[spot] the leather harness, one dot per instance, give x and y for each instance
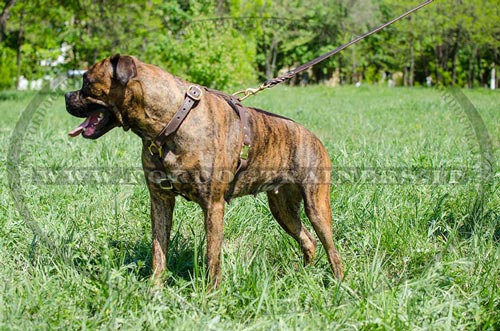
(191, 100)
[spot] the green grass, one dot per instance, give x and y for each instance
(417, 256)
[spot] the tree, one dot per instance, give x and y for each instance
(4, 16)
(232, 42)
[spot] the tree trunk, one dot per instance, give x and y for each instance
(353, 67)
(4, 16)
(495, 64)
(437, 51)
(341, 78)
(470, 74)
(405, 76)
(271, 59)
(455, 57)
(221, 8)
(454, 69)
(412, 63)
(424, 62)
(493, 80)
(479, 74)
(19, 44)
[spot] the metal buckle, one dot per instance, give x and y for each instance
(245, 150)
(194, 92)
(158, 149)
(166, 187)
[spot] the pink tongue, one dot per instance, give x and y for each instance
(75, 132)
(87, 125)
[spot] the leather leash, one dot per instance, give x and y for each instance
(278, 80)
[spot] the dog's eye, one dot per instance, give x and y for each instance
(87, 91)
(85, 88)
(82, 93)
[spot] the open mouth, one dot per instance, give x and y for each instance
(95, 125)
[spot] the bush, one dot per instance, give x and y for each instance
(212, 57)
(8, 68)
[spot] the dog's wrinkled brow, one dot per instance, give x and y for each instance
(87, 79)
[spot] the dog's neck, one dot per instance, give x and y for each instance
(155, 106)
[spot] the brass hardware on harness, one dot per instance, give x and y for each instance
(169, 186)
(193, 95)
(158, 149)
(249, 92)
(245, 150)
(194, 92)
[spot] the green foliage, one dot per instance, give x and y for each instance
(212, 57)
(8, 68)
(233, 42)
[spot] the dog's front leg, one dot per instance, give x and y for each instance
(214, 219)
(162, 207)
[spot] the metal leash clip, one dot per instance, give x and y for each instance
(249, 92)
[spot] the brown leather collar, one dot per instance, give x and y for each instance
(193, 96)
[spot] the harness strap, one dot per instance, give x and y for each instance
(247, 139)
(245, 129)
(242, 113)
(193, 95)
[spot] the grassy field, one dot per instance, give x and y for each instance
(418, 233)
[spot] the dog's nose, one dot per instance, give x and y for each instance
(69, 98)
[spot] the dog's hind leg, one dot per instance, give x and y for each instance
(285, 205)
(318, 210)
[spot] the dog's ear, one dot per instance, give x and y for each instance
(124, 68)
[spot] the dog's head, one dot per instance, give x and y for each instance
(103, 96)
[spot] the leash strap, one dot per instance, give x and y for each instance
(278, 80)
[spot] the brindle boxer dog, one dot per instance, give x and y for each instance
(285, 159)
